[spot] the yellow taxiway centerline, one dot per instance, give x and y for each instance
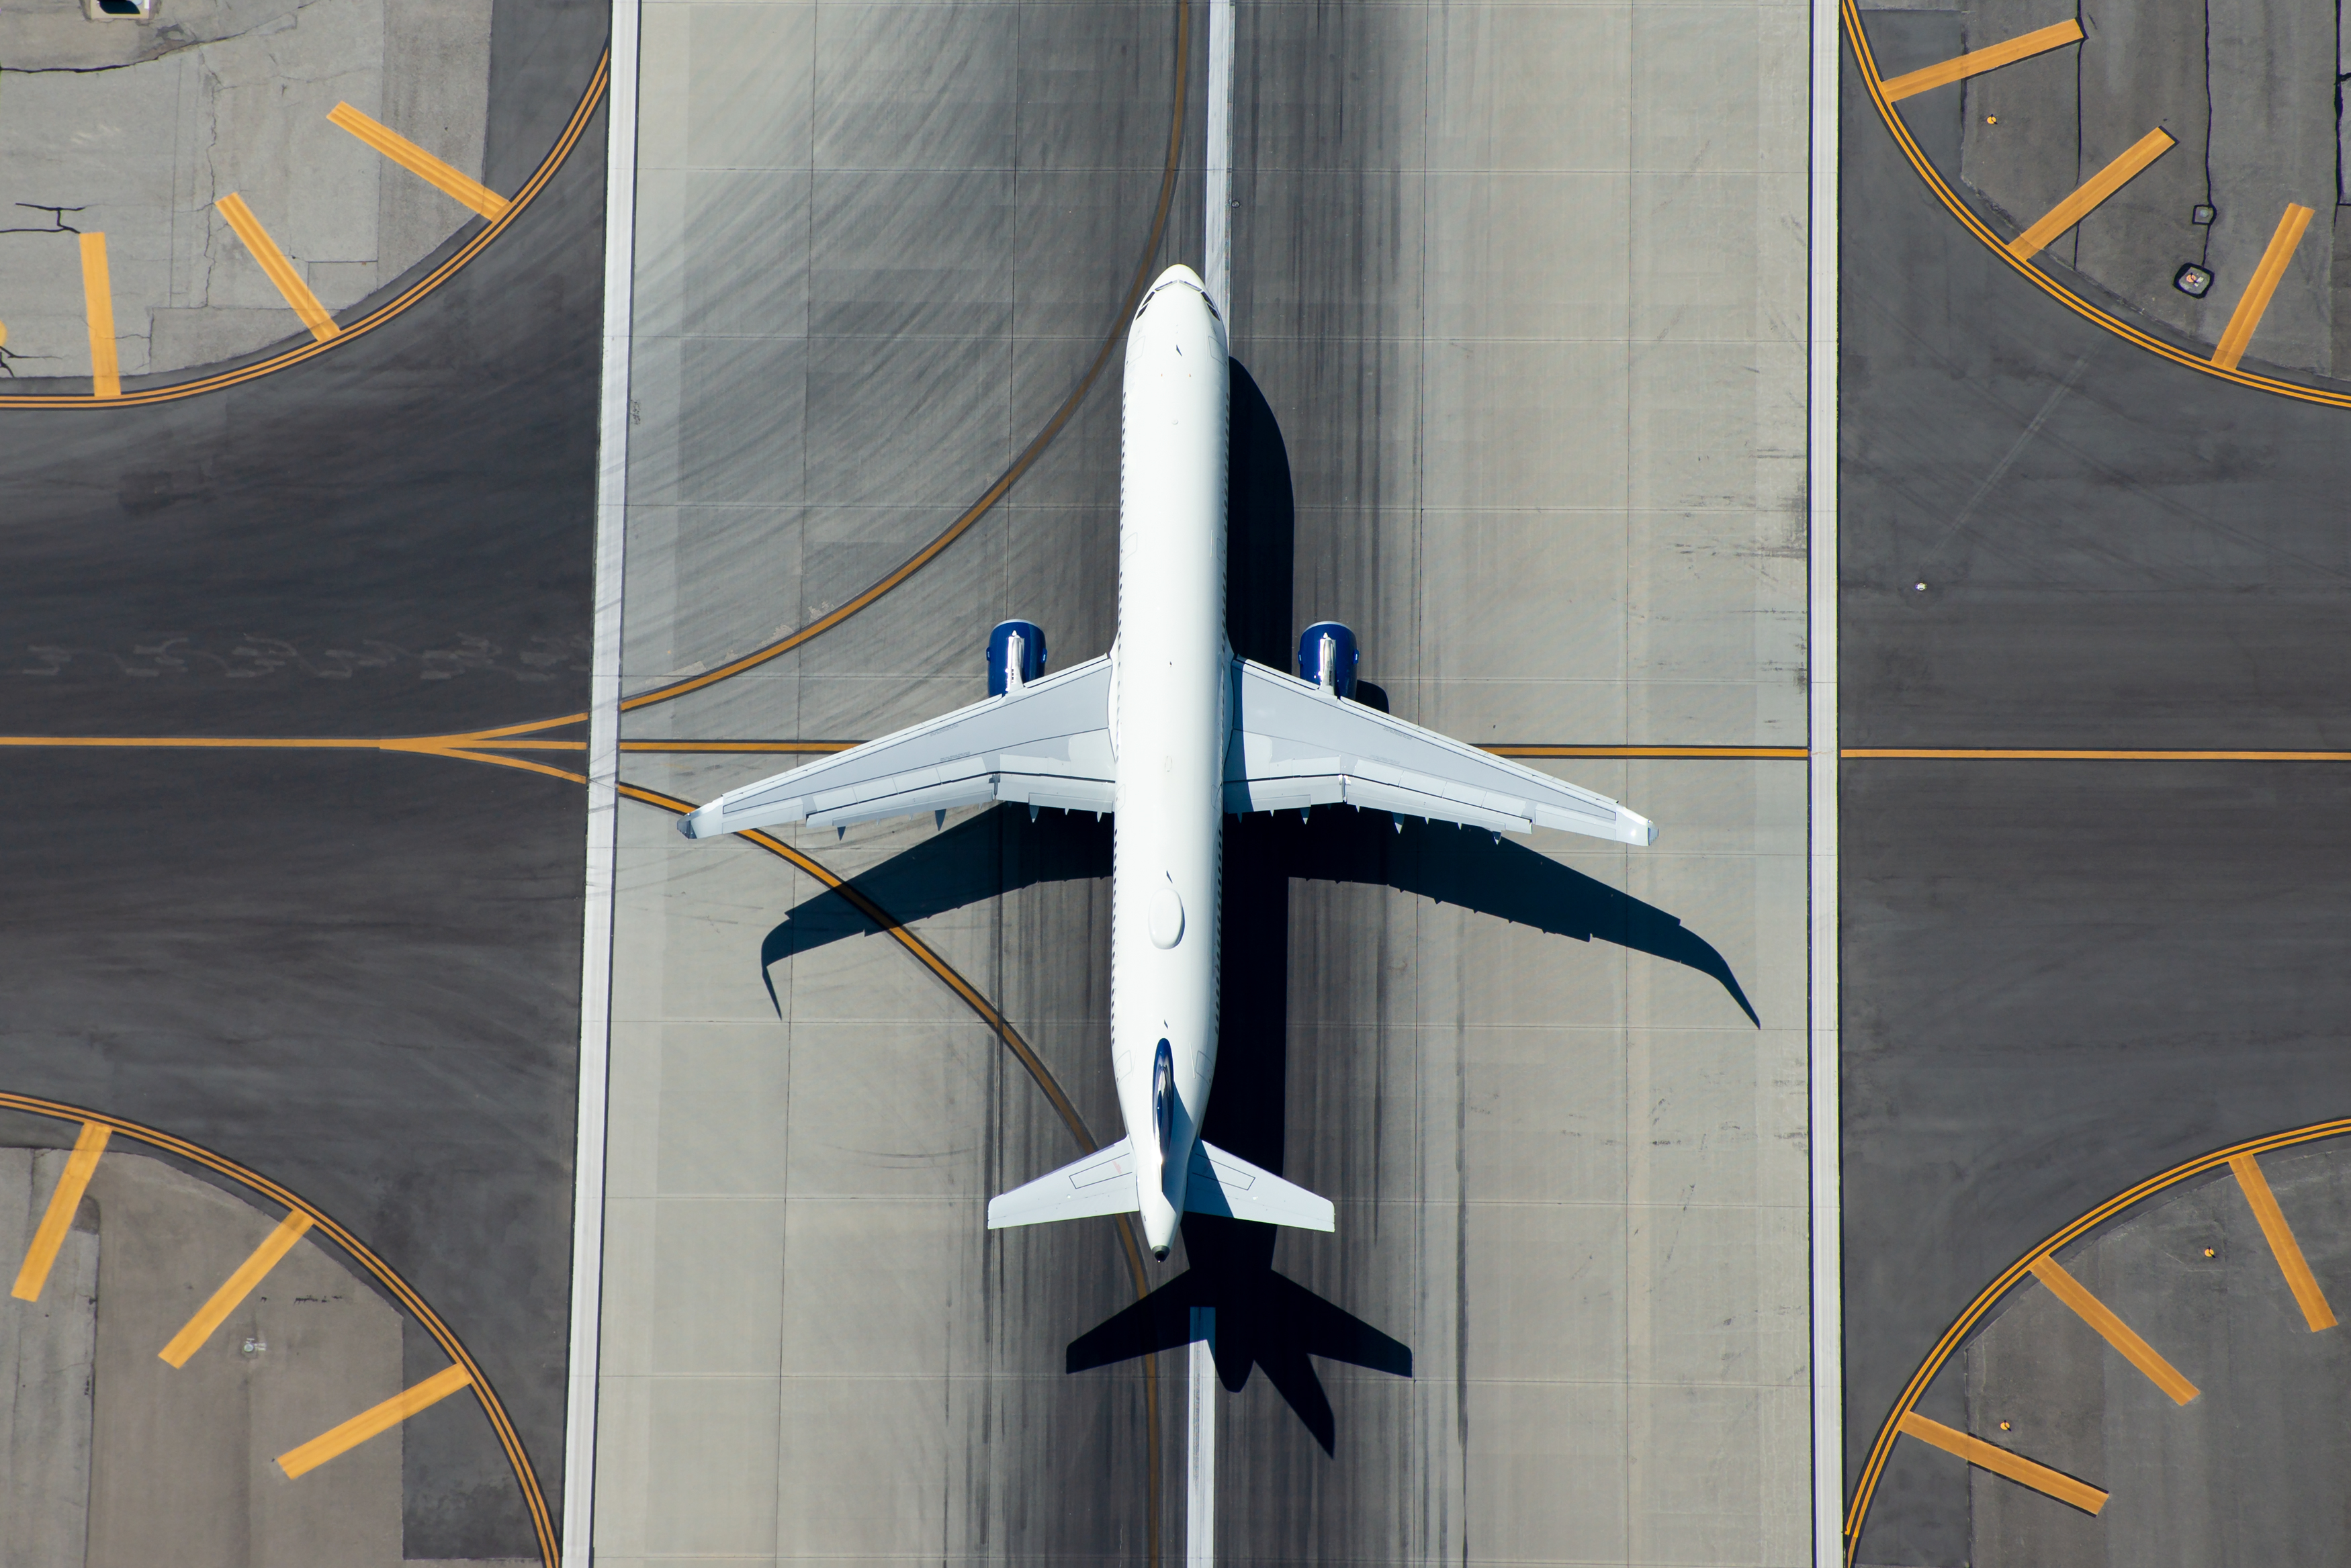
(234, 1291)
(2263, 284)
(1777, 754)
(2113, 1330)
(430, 746)
(2282, 1246)
(1975, 62)
(2051, 754)
(301, 1462)
(2096, 189)
(58, 1218)
(275, 265)
(451, 180)
(2000, 1462)
(785, 748)
(1723, 754)
(98, 308)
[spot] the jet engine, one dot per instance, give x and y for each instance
(1016, 655)
(1327, 656)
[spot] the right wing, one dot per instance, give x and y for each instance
(1046, 743)
(1296, 744)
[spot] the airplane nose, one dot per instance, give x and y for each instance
(1160, 1253)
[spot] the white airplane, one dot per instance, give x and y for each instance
(1169, 731)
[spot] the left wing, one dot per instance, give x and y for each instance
(1296, 744)
(1102, 1182)
(1046, 742)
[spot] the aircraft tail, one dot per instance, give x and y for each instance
(1103, 1182)
(1227, 1184)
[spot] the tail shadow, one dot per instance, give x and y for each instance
(1262, 1320)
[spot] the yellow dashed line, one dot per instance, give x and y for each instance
(452, 181)
(58, 1218)
(276, 268)
(302, 1460)
(1975, 62)
(238, 1285)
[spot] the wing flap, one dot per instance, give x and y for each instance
(1228, 1185)
(1295, 744)
(1102, 1182)
(1044, 744)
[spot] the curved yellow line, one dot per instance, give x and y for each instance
(1857, 1515)
(1011, 1040)
(374, 318)
(1859, 39)
(969, 994)
(1028, 454)
(350, 1245)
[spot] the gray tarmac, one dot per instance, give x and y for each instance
(2193, 1484)
(356, 973)
(2245, 91)
(1524, 403)
(2060, 977)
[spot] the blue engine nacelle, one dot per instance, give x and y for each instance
(1327, 656)
(1016, 655)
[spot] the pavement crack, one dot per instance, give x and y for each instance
(175, 39)
(66, 70)
(58, 225)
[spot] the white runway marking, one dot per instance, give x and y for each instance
(1200, 1444)
(603, 795)
(1217, 200)
(1821, 486)
(1216, 273)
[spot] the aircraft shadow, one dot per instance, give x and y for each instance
(1263, 1320)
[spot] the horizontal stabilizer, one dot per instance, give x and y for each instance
(1102, 1182)
(1227, 1184)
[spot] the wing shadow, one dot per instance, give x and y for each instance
(1473, 870)
(999, 850)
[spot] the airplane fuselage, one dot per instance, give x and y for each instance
(1169, 726)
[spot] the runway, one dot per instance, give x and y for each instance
(1566, 1158)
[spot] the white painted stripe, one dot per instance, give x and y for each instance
(1821, 483)
(1200, 1444)
(603, 798)
(1217, 198)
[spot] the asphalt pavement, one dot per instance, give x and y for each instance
(2061, 977)
(354, 971)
